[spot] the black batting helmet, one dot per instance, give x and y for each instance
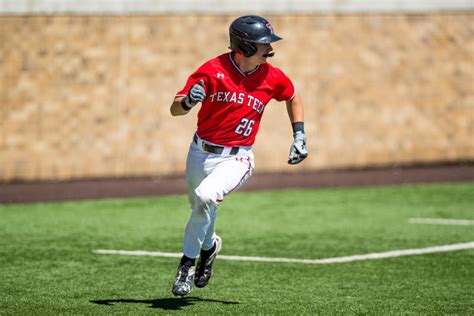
(248, 30)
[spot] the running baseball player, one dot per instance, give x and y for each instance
(233, 89)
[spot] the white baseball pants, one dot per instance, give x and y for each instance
(210, 177)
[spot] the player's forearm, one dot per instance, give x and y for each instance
(295, 109)
(177, 108)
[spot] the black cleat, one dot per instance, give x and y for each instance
(184, 279)
(204, 269)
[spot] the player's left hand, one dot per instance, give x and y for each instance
(298, 150)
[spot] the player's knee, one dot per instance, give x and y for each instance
(205, 197)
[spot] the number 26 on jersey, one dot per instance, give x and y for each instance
(245, 127)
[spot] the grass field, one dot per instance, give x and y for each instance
(48, 265)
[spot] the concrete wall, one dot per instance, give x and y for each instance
(89, 96)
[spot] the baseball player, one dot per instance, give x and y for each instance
(233, 89)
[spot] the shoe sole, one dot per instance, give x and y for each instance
(179, 295)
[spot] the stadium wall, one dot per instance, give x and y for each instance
(87, 96)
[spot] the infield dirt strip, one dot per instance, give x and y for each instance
(25, 192)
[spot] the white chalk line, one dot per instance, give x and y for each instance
(441, 221)
(369, 256)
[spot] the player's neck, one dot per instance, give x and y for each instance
(244, 64)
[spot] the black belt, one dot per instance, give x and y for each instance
(215, 149)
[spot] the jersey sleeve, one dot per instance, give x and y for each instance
(194, 78)
(284, 88)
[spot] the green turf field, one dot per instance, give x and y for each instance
(47, 263)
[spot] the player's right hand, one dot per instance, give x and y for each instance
(196, 94)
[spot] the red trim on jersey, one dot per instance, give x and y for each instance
(243, 177)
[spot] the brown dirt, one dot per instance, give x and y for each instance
(21, 192)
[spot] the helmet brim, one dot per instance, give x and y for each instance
(267, 39)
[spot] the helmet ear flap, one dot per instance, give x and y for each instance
(242, 46)
(248, 49)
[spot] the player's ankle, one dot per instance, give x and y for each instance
(185, 260)
(207, 253)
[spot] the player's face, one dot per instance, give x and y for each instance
(263, 52)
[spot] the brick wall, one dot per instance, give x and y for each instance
(89, 96)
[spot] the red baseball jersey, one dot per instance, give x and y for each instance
(231, 112)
